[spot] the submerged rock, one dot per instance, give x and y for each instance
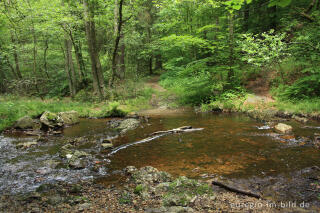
(75, 160)
(51, 163)
(26, 144)
(27, 122)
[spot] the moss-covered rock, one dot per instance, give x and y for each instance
(50, 119)
(27, 122)
(68, 118)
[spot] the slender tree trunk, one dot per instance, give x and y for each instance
(122, 68)
(15, 55)
(69, 66)
(115, 54)
(68, 60)
(11, 67)
(79, 59)
(312, 4)
(45, 65)
(231, 47)
(151, 57)
(150, 65)
(98, 80)
(273, 16)
(246, 15)
(34, 50)
(2, 76)
(158, 62)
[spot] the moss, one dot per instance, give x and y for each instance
(139, 188)
(125, 198)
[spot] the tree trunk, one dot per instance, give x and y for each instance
(69, 66)
(231, 47)
(45, 65)
(273, 16)
(150, 65)
(115, 54)
(246, 15)
(158, 62)
(80, 61)
(11, 67)
(98, 80)
(122, 65)
(15, 55)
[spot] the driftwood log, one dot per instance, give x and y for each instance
(177, 130)
(154, 136)
(239, 191)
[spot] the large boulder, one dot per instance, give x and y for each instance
(68, 118)
(56, 120)
(283, 128)
(50, 119)
(27, 122)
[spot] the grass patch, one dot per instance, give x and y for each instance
(12, 108)
(310, 106)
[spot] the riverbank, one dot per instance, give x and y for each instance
(142, 190)
(266, 109)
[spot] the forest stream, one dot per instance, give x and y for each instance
(231, 147)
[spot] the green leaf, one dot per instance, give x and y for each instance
(280, 3)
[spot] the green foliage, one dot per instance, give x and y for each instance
(114, 111)
(139, 188)
(125, 198)
(281, 3)
(12, 108)
(231, 100)
(264, 49)
(304, 88)
(308, 106)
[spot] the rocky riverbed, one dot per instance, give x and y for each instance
(73, 171)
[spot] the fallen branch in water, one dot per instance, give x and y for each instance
(239, 191)
(177, 130)
(154, 136)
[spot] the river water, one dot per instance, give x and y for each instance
(230, 145)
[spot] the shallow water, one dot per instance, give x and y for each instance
(231, 145)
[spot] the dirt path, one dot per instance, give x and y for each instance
(260, 90)
(162, 102)
(154, 84)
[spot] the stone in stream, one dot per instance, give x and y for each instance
(69, 118)
(283, 128)
(50, 119)
(54, 120)
(124, 125)
(27, 122)
(75, 160)
(107, 145)
(26, 144)
(300, 119)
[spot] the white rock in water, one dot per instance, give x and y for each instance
(68, 156)
(284, 128)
